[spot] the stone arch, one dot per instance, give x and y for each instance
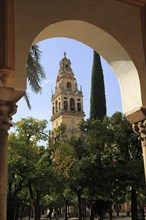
(112, 51)
(130, 72)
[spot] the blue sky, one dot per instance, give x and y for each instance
(81, 57)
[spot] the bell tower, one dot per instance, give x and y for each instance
(67, 101)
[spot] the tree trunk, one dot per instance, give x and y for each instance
(17, 212)
(110, 212)
(36, 207)
(50, 213)
(29, 213)
(83, 209)
(79, 206)
(66, 205)
(22, 211)
(117, 209)
(11, 208)
(142, 213)
(11, 213)
(92, 211)
(133, 204)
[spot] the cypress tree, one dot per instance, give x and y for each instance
(97, 99)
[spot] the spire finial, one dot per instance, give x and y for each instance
(64, 54)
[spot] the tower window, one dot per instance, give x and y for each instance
(72, 104)
(68, 86)
(66, 65)
(79, 106)
(56, 106)
(59, 106)
(53, 110)
(65, 105)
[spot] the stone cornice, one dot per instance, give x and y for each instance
(67, 92)
(68, 113)
(10, 95)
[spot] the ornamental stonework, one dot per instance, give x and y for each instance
(140, 129)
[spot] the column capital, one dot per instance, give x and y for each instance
(7, 109)
(140, 129)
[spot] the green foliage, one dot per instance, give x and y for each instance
(103, 165)
(115, 159)
(97, 99)
(58, 133)
(63, 159)
(35, 72)
(29, 166)
(32, 129)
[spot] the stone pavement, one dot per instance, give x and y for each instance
(114, 217)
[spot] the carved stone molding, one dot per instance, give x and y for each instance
(140, 129)
(6, 111)
(137, 115)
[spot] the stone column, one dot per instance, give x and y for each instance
(7, 52)
(8, 96)
(6, 111)
(140, 129)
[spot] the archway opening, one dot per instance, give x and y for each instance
(109, 48)
(120, 62)
(81, 57)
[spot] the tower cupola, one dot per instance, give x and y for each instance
(65, 66)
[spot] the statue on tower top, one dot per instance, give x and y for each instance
(64, 54)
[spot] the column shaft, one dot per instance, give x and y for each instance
(140, 129)
(6, 111)
(144, 158)
(3, 173)
(8, 96)
(7, 55)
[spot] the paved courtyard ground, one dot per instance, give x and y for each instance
(122, 216)
(114, 217)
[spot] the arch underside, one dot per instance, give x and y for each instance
(109, 48)
(100, 25)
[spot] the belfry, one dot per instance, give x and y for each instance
(67, 101)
